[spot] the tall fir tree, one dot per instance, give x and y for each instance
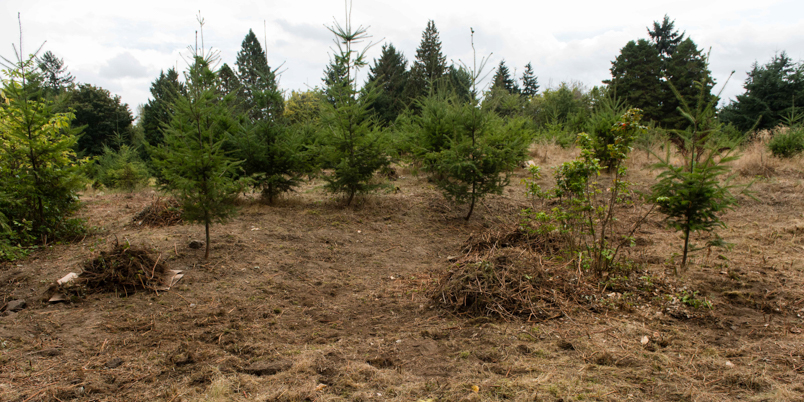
(503, 81)
(335, 80)
(158, 111)
(54, 73)
(388, 76)
(772, 91)
(686, 66)
(192, 161)
(665, 36)
(430, 64)
(255, 76)
(530, 84)
(460, 83)
(228, 81)
(636, 78)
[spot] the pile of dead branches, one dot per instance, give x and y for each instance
(124, 269)
(502, 274)
(514, 237)
(160, 213)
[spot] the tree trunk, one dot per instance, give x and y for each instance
(206, 226)
(684, 256)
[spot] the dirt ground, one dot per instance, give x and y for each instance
(307, 300)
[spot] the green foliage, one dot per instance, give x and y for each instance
(258, 88)
(40, 174)
(691, 299)
(54, 72)
(388, 77)
(122, 169)
(502, 80)
(430, 65)
(530, 84)
(157, 112)
(604, 127)
(351, 141)
(636, 78)
(694, 194)
(787, 143)
(194, 166)
(273, 156)
(102, 117)
(303, 106)
(482, 152)
(771, 92)
(560, 113)
(587, 212)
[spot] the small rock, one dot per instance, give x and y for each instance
(196, 244)
(16, 305)
(729, 364)
(114, 363)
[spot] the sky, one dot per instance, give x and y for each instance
(122, 46)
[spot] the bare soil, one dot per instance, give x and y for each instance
(307, 300)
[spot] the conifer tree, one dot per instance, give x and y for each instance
(55, 75)
(351, 139)
(686, 66)
(227, 78)
(430, 64)
(460, 83)
(480, 150)
(195, 168)
(636, 78)
(530, 84)
(255, 76)
(40, 175)
(665, 36)
(772, 91)
(502, 80)
(389, 77)
(157, 112)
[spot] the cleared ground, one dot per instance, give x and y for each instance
(307, 300)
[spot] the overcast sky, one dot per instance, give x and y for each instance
(122, 46)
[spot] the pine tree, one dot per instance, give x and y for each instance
(40, 175)
(157, 112)
(55, 74)
(665, 36)
(192, 161)
(502, 80)
(460, 83)
(255, 76)
(352, 139)
(430, 64)
(389, 77)
(530, 85)
(335, 80)
(772, 91)
(229, 83)
(636, 78)
(686, 66)
(478, 149)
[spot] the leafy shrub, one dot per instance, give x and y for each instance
(586, 215)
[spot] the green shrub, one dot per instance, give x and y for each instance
(121, 169)
(787, 143)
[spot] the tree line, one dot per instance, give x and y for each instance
(213, 130)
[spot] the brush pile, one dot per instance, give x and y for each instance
(501, 274)
(160, 213)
